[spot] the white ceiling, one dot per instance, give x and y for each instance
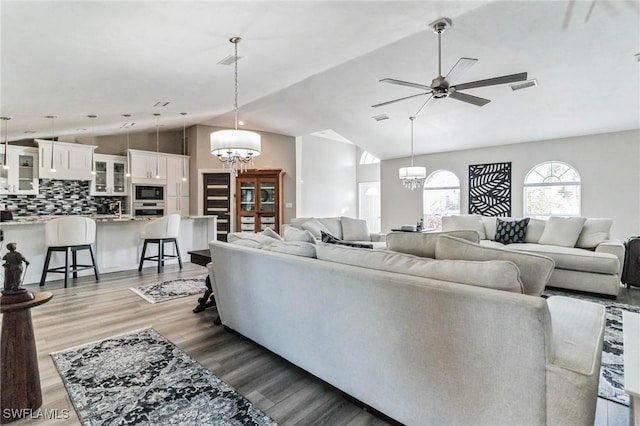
(314, 66)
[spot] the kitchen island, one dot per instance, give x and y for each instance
(118, 242)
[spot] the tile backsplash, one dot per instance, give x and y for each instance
(58, 197)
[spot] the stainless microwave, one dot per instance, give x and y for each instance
(148, 193)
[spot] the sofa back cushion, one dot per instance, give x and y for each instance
(535, 270)
(423, 243)
(296, 248)
(233, 237)
(464, 222)
(354, 229)
(316, 227)
(562, 231)
(499, 275)
(594, 232)
(535, 228)
(291, 233)
(333, 224)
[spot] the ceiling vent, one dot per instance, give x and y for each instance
(380, 117)
(231, 59)
(524, 84)
(161, 104)
(128, 124)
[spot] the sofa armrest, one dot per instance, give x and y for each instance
(378, 237)
(615, 247)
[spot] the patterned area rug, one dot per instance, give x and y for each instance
(142, 378)
(611, 385)
(168, 290)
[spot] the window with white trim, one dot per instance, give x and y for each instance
(367, 158)
(441, 197)
(552, 189)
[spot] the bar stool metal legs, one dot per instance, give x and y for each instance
(66, 270)
(162, 255)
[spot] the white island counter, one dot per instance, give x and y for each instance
(118, 243)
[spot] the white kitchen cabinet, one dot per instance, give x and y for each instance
(71, 161)
(148, 167)
(21, 178)
(110, 175)
(177, 188)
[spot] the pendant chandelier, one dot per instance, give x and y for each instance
(128, 124)
(5, 120)
(235, 147)
(413, 176)
(93, 168)
(157, 115)
(184, 146)
(53, 140)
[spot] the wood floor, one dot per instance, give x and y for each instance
(89, 311)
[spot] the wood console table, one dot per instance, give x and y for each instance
(19, 375)
(202, 258)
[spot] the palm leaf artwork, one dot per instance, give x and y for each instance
(490, 189)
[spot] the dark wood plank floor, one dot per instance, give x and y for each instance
(89, 311)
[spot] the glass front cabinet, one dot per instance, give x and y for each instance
(109, 177)
(258, 200)
(18, 170)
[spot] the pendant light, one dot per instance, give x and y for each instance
(53, 140)
(235, 147)
(5, 120)
(93, 163)
(413, 176)
(157, 115)
(184, 150)
(128, 174)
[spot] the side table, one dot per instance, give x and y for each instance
(19, 375)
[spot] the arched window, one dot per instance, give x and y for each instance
(441, 197)
(367, 158)
(552, 189)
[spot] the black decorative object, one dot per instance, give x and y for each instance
(330, 239)
(511, 231)
(490, 189)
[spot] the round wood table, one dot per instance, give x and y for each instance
(21, 394)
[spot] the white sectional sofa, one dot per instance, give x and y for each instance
(343, 228)
(442, 342)
(585, 257)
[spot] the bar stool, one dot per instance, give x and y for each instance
(69, 234)
(161, 231)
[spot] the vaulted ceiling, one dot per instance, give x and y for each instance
(308, 67)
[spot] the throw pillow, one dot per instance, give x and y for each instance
(562, 231)
(458, 223)
(272, 234)
(354, 229)
(511, 231)
(594, 232)
(314, 226)
(330, 239)
(535, 228)
(423, 244)
(295, 234)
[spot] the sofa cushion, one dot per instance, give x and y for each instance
(499, 275)
(562, 231)
(291, 233)
(354, 229)
(489, 223)
(464, 222)
(314, 226)
(330, 239)
(594, 232)
(423, 243)
(575, 259)
(233, 237)
(535, 269)
(535, 228)
(268, 232)
(511, 231)
(248, 243)
(296, 248)
(334, 225)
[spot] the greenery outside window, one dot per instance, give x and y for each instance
(552, 189)
(441, 197)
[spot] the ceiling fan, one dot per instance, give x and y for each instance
(440, 86)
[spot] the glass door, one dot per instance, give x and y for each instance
(26, 172)
(118, 178)
(268, 198)
(247, 203)
(100, 178)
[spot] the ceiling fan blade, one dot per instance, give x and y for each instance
(491, 81)
(424, 105)
(405, 83)
(475, 100)
(398, 100)
(460, 68)
(567, 15)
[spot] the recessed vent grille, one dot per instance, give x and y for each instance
(524, 84)
(161, 104)
(380, 117)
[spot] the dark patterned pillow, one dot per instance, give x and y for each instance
(511, 231)
(330, 239)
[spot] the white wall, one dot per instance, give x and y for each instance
(609, 166)
(326, 171)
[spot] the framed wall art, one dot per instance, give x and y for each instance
(490, 189)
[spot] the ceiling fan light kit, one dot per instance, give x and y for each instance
(441, 86)
(232, 146)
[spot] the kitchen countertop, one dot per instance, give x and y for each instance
(28, 220)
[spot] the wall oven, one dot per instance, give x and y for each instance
(148, 209)
(147, 193)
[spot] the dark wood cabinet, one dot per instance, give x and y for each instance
(258, 200)
(217, 201)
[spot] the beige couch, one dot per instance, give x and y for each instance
(343, 228)
(585, 257)
(418, 346)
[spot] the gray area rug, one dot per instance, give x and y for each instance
(611, 385)
(168, 290)
(142, 378)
